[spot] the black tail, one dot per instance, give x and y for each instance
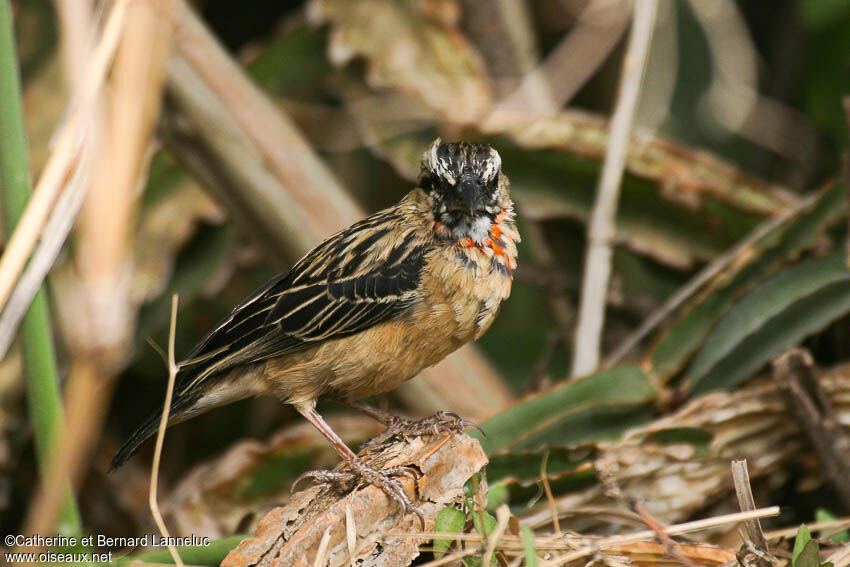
(149, 427)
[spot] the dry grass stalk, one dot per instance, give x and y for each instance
(544, 478)
(69, 142)
(601, 232)
(160, 435)
(741, 479)
(103, 247)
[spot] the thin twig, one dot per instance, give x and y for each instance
(503, 515)
(546, 542)
(607, 476)
(705, 275)
(832, 525)
(601, 231)
(544, 478)
(741, 479)
(160, 434)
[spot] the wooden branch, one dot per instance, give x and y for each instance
(292, 535)
(795, 374)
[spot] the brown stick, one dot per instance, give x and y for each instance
(741, 478)
(795, 374)
(605, 472)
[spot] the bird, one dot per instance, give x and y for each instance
(367, 309)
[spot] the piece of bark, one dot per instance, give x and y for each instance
(291, 535)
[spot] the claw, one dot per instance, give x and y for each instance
(383, 479)
(442, 422)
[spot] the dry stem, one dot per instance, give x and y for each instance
(602, 230)
(160, 434)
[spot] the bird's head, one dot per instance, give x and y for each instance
(466, 185)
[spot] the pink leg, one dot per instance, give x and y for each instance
(313, 417)
(358, 470)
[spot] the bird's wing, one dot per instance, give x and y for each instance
(357, 278)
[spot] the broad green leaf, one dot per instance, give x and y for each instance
(449, 520)
(682, 339)
(551, 185)
(590, 408)
(803, 537)
(529, 551)
(523, 467)
(781, 312)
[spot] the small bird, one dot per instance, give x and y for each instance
(367, 309)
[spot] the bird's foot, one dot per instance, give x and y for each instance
(359, 472)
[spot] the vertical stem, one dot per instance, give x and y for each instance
(36, 337)
(600, 235)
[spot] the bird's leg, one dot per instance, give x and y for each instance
(358, 470)
(441, 423)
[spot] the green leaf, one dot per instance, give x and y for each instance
(523, 467)
(809, 556)
(779, 313)
(594, 407)
(489, 520)
(803, 537)
(449, 521)
(497, 494)
(529, 551)
(824, 515)
(647, 222)
(685, 336)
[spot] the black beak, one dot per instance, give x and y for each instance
(469, 190)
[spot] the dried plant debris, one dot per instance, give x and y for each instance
(292, 535)
(679, 464)
(414, 47)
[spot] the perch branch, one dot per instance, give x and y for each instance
(292, 535)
